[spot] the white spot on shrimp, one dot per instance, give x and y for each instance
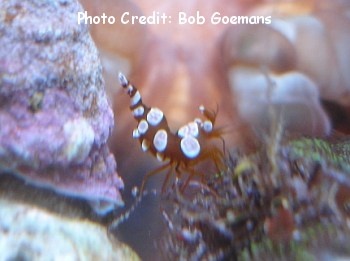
(190, 147)
(190, 129)
(160, 156)
(130, 89)
(145, 145)
(135, 99)
(207, 126)
(160, 140)
(142, 127)
(154, 116)
(136, 134)
(122, 79)
(138, 111)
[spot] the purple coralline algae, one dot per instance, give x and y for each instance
(54, 115)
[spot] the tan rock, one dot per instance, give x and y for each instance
(31, 233)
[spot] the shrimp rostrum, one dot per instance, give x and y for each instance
(181, 151)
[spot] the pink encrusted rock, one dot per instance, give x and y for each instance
(54, 115)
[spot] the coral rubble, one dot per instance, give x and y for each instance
(287, 202)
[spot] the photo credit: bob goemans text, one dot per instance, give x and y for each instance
(160, 18)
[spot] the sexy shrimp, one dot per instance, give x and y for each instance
(182, 150)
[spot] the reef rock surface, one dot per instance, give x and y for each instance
(54, 115)
(29, 233)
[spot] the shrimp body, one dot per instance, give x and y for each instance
(183, 149)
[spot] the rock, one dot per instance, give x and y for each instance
(30, 233)
(54, 115)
